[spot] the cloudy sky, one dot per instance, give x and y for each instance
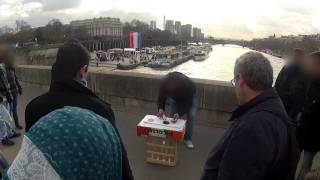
(241, 19)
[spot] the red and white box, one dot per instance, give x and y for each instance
(154, 126)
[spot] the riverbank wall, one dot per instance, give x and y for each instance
(135, 93)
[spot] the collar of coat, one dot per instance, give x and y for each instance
(254, 103)
(70, 86)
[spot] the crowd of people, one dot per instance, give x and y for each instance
(71, 133)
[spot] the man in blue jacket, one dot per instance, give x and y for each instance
(259, 143)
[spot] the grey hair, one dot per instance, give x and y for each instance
(255, 69)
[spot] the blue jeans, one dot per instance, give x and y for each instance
(13, 110)
(191, 115)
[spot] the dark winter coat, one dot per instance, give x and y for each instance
(257, 146)
(292, 85)
(72, 93)
(308, 133)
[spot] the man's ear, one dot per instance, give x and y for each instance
(83, 70)
(241, 80)
(86, 67)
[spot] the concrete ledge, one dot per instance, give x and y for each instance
(34, 74)
(137, 93)
(42, 57)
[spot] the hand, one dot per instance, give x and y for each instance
(161, 113)
(175, 117)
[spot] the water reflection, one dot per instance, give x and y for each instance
(219, 66)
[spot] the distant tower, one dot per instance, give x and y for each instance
(164, 22)
(153, 25)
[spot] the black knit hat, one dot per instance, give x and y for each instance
(71, 57)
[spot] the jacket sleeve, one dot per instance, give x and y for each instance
(301, 88)
(280, 86)
(126, 169)
(279, 79)
(18, 83)
(2, 86)
(5, 86)
(245, 156)
(28, 117)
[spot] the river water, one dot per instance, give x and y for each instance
(219, 65)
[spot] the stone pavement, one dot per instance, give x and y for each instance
(190, 162)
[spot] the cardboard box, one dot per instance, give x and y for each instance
(152, 126)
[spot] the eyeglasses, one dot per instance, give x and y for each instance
(234, 80)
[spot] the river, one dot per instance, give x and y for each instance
(219, 65)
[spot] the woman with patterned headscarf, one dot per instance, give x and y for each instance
(69, 143)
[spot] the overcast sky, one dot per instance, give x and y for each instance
(220, 18)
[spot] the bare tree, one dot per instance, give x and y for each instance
(5, 30)
(22, 25)
(54, 31)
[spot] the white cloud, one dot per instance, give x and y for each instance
(51, 5)
(227, 18)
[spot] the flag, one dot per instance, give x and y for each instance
(135, 40)
(139, 40)
(131, 40)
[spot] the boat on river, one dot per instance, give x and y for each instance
(169, 58)
(201, 56)
(163, 59)
(207, 47)
(127, 66)
(131, 58)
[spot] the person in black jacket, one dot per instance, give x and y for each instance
(182, 92)
(292, 84)
(68, 88)
(308, 132)
(258, 144)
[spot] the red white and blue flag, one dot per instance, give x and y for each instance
(135, 40)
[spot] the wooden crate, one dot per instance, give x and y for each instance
(313, 175)
(162, 151)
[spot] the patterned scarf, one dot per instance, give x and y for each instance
(69, 143)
